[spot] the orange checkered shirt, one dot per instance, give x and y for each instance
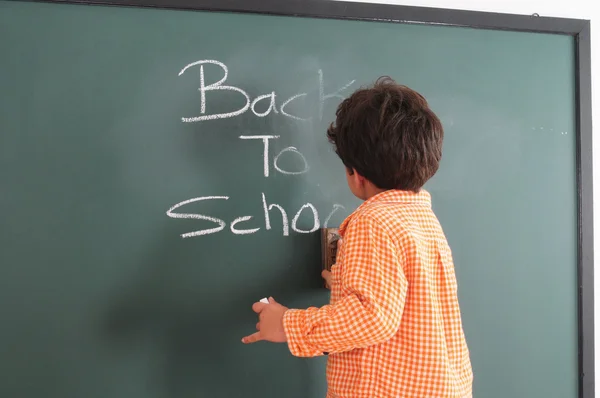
(393, 328)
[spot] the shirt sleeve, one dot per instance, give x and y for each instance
(369, 313)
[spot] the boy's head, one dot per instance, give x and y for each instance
(386, 134)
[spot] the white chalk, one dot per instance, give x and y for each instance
(264, 300)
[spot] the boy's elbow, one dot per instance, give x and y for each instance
(383, 329)
(389, 318)
(389, 327)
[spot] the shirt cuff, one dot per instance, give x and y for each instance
(293, 325)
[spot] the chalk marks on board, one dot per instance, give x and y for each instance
(221, 224)
(265, 139)
(214, 86)
(242, 231)
(245, 225)
(272, 104)
(290, 149)
(268, 212)
(336, 94)
(266, 169)
(252, 104)
(316, 223)
(268, 208)
(336, 207)
(284, 218)
(551, 130)
(286, 102)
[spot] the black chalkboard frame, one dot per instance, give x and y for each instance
(577, 28)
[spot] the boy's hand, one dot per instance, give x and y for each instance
(327, 274)
(328, 278)
(270, 323)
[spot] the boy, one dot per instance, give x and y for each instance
(393, 328)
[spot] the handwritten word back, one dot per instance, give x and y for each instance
(251, 104)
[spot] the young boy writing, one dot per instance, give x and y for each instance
(393, 328)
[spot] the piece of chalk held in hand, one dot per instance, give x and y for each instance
(264, 300)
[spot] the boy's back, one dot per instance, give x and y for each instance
(428, 355)
(393, 327)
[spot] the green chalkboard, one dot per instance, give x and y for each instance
(134, 236)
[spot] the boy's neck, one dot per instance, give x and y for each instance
(371, 190)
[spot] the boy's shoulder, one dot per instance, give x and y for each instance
(386, 216)
(396, 217)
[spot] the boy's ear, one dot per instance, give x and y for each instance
(359, 178)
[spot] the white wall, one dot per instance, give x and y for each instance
(582, 9)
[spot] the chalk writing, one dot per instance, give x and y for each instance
(272, 104)
(251, 104)
(265, 139)
(266, 169)
(293, 150)
(220, 222)
(214, 86)
(242, 231)
(315, 219)
(335, 94)
(284, 217)
(336, 207)
(261, 106)
(267, 208)
(283, 112)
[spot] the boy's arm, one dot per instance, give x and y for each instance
(370, 312)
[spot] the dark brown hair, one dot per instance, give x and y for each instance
(388, 134)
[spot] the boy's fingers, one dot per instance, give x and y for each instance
(253, 338)
(327, 276)
(272, 300)
(258, 307)
(258, 326)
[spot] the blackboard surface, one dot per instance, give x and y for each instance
(112, 282)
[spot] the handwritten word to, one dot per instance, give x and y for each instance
(250, 104)
(235, 227)
(265, 139)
